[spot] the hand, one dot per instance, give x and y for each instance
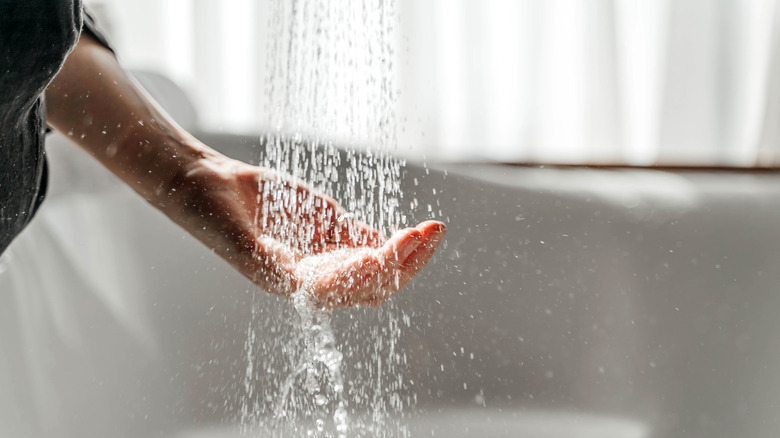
(366, 275)
(286, 237)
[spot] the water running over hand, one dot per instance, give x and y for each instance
(330, 77)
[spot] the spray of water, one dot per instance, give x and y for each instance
(330, 82)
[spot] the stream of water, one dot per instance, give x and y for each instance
(330, 81)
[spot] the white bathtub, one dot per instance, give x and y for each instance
(579, 303)
(564, 303)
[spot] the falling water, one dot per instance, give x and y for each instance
(330, 81)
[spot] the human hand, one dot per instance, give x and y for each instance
(366, 275)
(286, 237)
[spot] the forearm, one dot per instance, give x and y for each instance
(98, 106)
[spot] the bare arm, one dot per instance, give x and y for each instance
(94, 102)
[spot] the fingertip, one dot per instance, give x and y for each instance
(423, 253)
(432, 227)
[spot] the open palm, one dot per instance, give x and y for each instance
(286, 237)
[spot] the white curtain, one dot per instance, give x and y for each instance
(677, 82)
(604, 81)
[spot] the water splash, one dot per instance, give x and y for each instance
(317, 378)
(318, 375)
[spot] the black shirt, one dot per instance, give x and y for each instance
(35, 38)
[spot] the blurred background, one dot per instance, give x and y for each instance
(632, 82)
(566, 301)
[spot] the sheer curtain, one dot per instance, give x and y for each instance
(604, 81)
(677, 82)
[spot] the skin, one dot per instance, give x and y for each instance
(230, 206)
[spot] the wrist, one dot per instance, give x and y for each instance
(165, 167)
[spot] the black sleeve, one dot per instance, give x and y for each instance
(92, 28)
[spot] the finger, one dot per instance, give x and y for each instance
(393, 255)
(372, 278)
(432, 235)
(400, 246)
(431, 229)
